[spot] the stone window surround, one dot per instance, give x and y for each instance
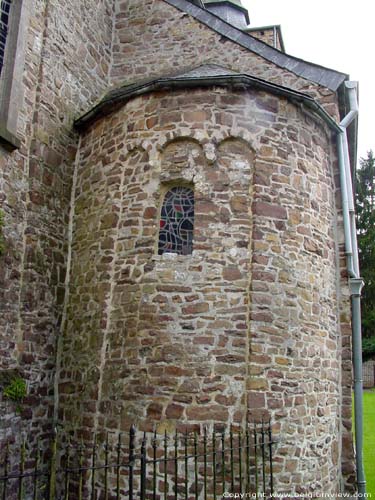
(11, 88)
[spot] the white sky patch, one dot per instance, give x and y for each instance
(338, 34)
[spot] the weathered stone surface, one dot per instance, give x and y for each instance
(252, 316)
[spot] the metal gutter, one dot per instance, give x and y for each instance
(355, 281)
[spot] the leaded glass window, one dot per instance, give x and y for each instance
(177, 222)
(4, 24)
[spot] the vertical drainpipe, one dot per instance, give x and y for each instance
(355, 281)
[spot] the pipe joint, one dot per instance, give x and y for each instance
(356, 285)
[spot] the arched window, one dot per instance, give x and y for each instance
(177, 221)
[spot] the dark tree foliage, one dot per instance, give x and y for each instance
(365, 210)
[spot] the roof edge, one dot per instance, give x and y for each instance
(321, 75)
(239, 81)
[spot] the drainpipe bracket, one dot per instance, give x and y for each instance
(356, 285)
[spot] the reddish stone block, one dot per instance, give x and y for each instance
(198, 308)
(174, 411)
(269, 210)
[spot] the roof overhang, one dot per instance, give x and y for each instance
(201, 77)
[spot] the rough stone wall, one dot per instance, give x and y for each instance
(35, 187)
(153, 38)
(249, 324)
(67, 60)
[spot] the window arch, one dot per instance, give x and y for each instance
(177, 221)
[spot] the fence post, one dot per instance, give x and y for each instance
(118, 466)
(52, 480)
(214, 459)
(93, 465)
(106, 456)
(143, 467)
(131, 461)
(223, 462)
(271, 458)
(154, 446)
(263, 457)
(176, 465)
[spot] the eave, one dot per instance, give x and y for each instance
(204, 76)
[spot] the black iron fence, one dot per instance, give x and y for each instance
(148, 466)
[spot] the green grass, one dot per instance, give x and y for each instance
(369, 439)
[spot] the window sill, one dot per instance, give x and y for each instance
(170, 256)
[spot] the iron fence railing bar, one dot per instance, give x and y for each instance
(126, 464)
(106, 453)
(176, 465)
(118, 449)
(145, 466)
(165, 465)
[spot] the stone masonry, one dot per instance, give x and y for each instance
(231, 329)
(254, 324)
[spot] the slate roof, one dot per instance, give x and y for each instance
(206, 75)
(319, 74)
